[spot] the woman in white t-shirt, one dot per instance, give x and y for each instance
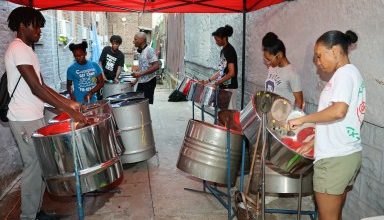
(282, 77)
(340, 114)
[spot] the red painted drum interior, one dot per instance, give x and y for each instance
(62, 117)
(56, 128)
(304, 136)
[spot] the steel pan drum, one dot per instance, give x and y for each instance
(282, 151)
(204, 152)
(133, 120)
(125, 96)
(206, 95)
(223, 97)
(97, 155)
(196, 92)
(99, 107)
(185, 85)
(116, 88)
(276, 183)
(250, 121)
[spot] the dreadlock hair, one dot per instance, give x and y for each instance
(26, 16)
(83, 46)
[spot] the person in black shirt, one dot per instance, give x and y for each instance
(112, 60)
(226, 77)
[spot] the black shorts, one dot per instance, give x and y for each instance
(148, 88)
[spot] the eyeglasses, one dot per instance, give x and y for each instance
(268, 62)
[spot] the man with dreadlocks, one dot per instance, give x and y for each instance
(26, 107)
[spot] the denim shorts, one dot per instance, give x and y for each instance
(333, 175)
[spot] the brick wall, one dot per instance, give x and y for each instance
(54, 61)
(299, 23)
(10, 159)
(127, 25)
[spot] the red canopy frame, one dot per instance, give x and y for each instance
(162, 6)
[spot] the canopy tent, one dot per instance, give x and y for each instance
(163, 6)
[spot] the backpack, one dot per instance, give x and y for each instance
(177, 96)
(4, 97)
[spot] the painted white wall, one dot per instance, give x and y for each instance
(299, 23)
(199, 44)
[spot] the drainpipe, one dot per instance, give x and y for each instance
(243, 53)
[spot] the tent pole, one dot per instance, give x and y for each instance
(30, 3)
(243, 53)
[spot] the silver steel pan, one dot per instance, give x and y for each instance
(206, 95)
(116, 88)
(282, 147)
(223, 96)
(133, 120)
(282, 152)
(185, 85)
(125, 96)
(97, 155)
(203, 153)
(250, 121)
(99, 107)
(276, 183)
(196, 92)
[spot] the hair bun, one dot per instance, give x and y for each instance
(71, 46)
(270, 39)
(84, 44)
(271, 36)
(351, 36)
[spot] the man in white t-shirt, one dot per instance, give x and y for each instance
(26, 107)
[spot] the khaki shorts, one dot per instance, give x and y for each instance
(333, 175)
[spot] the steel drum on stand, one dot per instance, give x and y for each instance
(125, 96)
(185, 85)
(284, 162)
(250, 121)
(206, 95)
(97, 155)
(99, 107)
(133, 120)
(204, 152)
(116, 88)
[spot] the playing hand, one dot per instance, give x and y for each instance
(136, 75)
(87, 97)
(295, 123)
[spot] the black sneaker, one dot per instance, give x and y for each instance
(44, 216)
